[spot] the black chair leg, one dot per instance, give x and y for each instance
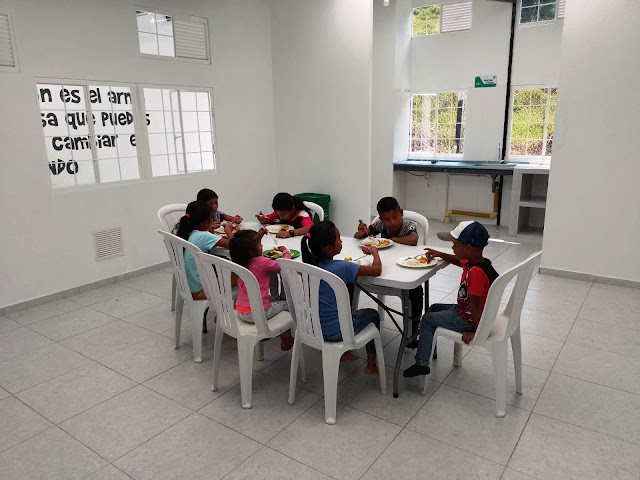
(204, 321)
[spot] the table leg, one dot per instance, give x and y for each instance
(406, 319)
(426, 309)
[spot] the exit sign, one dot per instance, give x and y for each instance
(484, 81)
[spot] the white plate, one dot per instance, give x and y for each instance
(276, 228)
(401, 261)
(220, 229)
(366, 261)
(378, 240)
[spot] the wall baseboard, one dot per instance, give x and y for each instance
(82, 288)
(587, 277)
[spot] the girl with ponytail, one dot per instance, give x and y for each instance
(288, 210)
(194, 228)
(319, 248)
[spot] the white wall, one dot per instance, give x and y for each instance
(322, 97)
(593, 220)
(451, 61)
(47, 236)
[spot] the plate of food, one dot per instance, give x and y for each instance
(419, 261)
(366, 260)
(276, 228)
(220, 229)
(376, 242)
(275, 254)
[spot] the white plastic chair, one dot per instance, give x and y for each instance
(496, 329)
(315, 208)
(383, 292)
(176, 247)
(215, 274)
(169, 216)
(301, 282)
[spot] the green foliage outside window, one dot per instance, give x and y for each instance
(426, 20)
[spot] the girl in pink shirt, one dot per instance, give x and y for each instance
(246, 250)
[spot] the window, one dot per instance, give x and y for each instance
(541, 10)
(532, 121)
(7, 45)
(180, 131)
(155, 34)
(426, 20)
(437, 124)
(172, 36)
(89, 133)
(434, 19)
(93, 133)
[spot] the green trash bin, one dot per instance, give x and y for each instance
(321, 199)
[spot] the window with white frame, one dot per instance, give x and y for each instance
(169, 35)
(532, 11)
(180, 133)
(437, 124)
(93, 134)
(532, 122)
(441, 18)
(89, 133)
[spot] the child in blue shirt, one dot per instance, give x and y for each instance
(319, 248)
(194, 227)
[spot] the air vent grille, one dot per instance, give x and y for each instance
(108, 243)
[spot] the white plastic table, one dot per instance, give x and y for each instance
(393, 276)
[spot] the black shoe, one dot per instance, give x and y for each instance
(415, 370)
(412, 344)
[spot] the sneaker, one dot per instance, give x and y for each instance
(412, 344)
(416, 370)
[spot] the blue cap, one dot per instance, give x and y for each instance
(469, 233)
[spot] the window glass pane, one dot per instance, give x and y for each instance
(166, 46)
(522, 97)
(129, 168)
(172, 141)
(539, 96)
(159, 165)
(164, 24)
(547, 12)
(106, 146)
(204, 121)
(146, 22)
(53, 123)
(206, 144)
(536, 131)
(433, 19)
(528, 15)
(537, 113)
(202, 99)
(85, 173)
(109, 170)
(156, 122)
(194, 163)
(50, 97)
(549, 147)
(208, 162)
(63, 180)
(419, 21)
(188, 101)
(534, 148)
(518, 147)
(152, 99)
(148, 43)
(157, 144)
(120, 98)
(192, 142)
(530, 3)
(190, 121)
(176, 164)
(125, 146)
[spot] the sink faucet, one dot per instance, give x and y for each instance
(500, 160)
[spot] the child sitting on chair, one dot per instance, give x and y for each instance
(393, 225)
(469, 239)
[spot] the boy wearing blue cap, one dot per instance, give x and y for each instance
(469, 239)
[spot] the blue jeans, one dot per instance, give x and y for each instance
(439, 315)
(361, 318)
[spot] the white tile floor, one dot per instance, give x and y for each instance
(91, 387)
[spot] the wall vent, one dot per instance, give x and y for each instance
(456, 17)
(108, 243)
(562, 4)
(7, 46)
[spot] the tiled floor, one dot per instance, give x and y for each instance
(91, 388)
